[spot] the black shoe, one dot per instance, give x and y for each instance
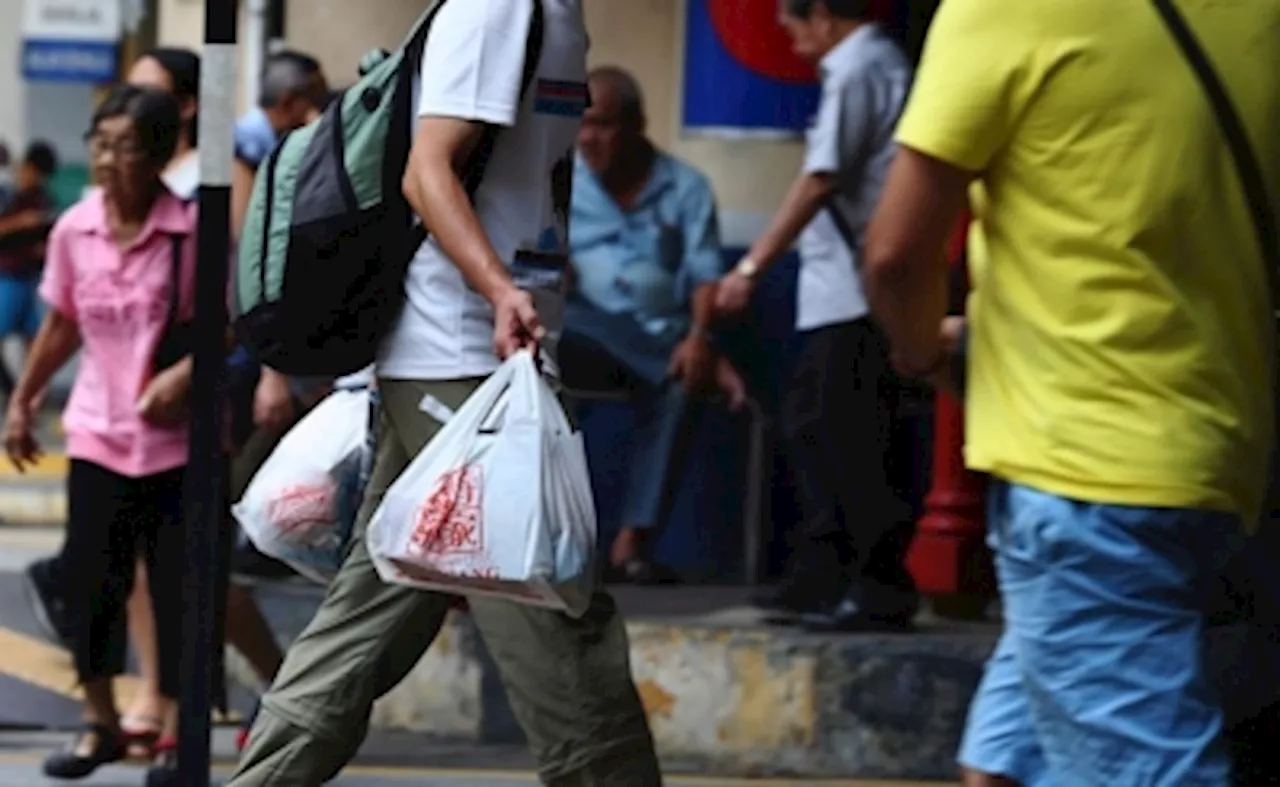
(886, 610)
(164, 771)
(109, 747)
(251, 567)
(798, 594)
(641, 572)
(49, 608)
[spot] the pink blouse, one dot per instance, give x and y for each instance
(119, 297)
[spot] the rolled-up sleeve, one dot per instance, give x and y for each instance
(57, 284)
(700, 225)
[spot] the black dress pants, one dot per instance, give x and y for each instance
(838, 422)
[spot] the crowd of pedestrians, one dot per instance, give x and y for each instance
(1116, 357)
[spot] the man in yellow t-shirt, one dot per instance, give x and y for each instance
(1120, 355)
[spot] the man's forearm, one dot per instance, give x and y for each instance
(904, 252)
(704, 308)
(801, 204)
(435, 193)
(909, 301)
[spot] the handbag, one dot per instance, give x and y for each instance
(175, 341)
(1243, 620)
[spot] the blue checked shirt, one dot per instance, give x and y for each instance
(646, 262)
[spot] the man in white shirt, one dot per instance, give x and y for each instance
(487, 284)
(838, 415)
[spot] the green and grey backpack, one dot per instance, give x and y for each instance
(328, 237)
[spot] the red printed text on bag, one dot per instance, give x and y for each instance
(299, 508)
(451, 521)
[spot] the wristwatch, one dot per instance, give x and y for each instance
(747, 268)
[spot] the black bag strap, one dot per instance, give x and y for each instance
(479, 160)
(842, 226)
(1265, 223)
(175, 277)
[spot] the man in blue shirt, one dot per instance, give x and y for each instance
(645, 249)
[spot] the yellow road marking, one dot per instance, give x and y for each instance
(32, 661)
(465, 774)
(50, 668)
(43, 539)
(51, 465)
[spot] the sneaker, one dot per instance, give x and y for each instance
(47, 604)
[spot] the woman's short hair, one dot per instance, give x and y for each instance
(183, 68)
(155, 115)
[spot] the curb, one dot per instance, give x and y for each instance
(33, 502)
(723, 699)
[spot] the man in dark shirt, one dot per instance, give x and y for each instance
(24, 224)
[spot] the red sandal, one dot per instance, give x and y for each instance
(141, 735)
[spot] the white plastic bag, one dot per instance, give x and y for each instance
(301, 506)
(498, 504)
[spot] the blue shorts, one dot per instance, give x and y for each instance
(1097, 679)
(20, 308)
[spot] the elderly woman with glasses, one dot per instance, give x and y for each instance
(119, 281)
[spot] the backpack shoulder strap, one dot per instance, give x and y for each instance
(479, 160)
(532, 56)
(417, 39)
(1247, 168)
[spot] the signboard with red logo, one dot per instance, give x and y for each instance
(741, 78)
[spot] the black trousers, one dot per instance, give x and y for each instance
(838, 420)
(111, 518)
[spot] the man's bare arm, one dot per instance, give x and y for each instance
(802, 202)
(704, 308)
(441, 147)
(904, 267)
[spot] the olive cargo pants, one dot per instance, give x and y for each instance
(569, 681)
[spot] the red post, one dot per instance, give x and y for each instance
(949, 559)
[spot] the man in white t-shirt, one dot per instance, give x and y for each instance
(837, 419)
(487, 284)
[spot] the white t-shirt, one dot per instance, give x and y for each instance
(472, 69)
(865, 80)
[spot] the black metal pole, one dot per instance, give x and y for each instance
(205, 491)
(276, 10)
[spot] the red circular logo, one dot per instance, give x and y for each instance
(749, 30)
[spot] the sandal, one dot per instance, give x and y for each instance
(164, 769)
(141, 734)
(108, 747)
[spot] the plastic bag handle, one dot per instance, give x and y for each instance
(491, 423)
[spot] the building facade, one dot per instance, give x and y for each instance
(645, 36)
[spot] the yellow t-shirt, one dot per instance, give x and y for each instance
(1120, 326)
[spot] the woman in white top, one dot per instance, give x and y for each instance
(177, 72)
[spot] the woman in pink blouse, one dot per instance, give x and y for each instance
(119, 281)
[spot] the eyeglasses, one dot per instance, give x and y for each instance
(125, 147)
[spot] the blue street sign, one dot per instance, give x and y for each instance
(92, 62)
